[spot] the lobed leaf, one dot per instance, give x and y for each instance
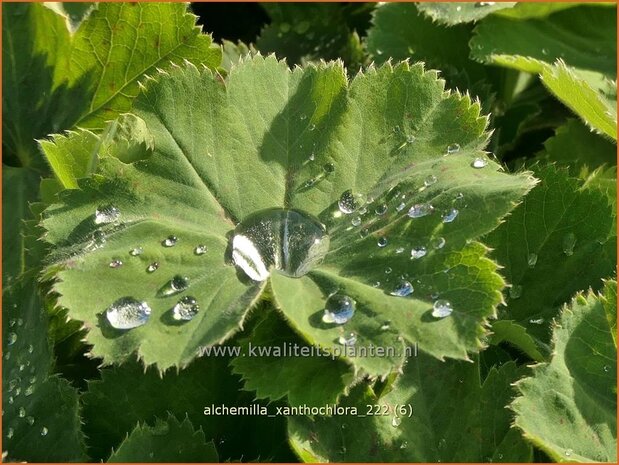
(288, 127)
(568, 407)
(476, 428)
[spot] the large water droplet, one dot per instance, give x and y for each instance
(420, 209)
(127, 313)
(350, 202)
(532, 260)
(339, 309)
(106, 214)
(175, 285)
(418, 252)
(453, 148)
(186, 308)
(569, 241)
(479, 162)
(403, 289)
(441, 308)
(289, 241)
(169, 241)
(450, 215)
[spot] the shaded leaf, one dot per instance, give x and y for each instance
(41, 421)
(476, 428)
(309, 380)
(515, 334)
(363, 136)
(166, 441)
(573, 50)
(127, 395)
(568, 407)
(451, 13)
(552, 245)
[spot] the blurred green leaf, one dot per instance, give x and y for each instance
(568, 408)
(167, 441)
(573, 50)
(455, 418)
(451, 13)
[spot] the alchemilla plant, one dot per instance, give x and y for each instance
(359, 233)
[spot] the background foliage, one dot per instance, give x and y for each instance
(191, 117)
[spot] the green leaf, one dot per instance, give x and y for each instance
(568, 407)
(609, 301)
(527, 10)
(305, 380)
(515, 334)
(573, 50)
(206, 181)
(451, 13)
(41, 421)
(128, 394)
(58, 80)
(302, 33)
(552, 245)
(19, 190)
(35, 46)
(579, 149)
(476, 428)
(166, 441)
(73, 12)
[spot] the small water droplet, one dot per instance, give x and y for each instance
(30, 420)
(339, 309)
(482, 4)
(404, 445)
(400, 207)
(569, 241)
(381, 209)
(12, 339)
(388, 270)
(9, 433)
(450, 215)
(385, 326)
(479, 162)
(348, 340)
(169, 241)
(439, 243)
(544, 51)
(44, 431)
(186, 308)
(200, 249)
(410, 139)
(441, 308)
(11, 400)
(515, 291)
(532, 260)
(175, 285)
(106, 214)
(127, 313)
(152, 267)
(418, 252)
(98, 238)
(382, 242)
(116, 263)
(136, 251)
(356, 221)
(420, 209)
(312, 156)
(350, 202)
(376, 284)
(453, 148)
(431, 179)
(606, 368)
(21, 412)
(29, 390)
(312, 127)
(538, 321)
(458, 8)
(568, 452)
(399, 250)
(396, 421)
(328, 168)
(364, 232)
(403, 289)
